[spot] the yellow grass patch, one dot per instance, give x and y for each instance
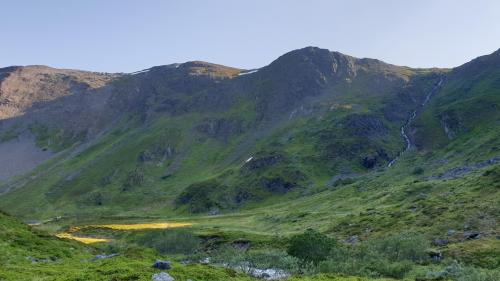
(85, 240)
(139, 226)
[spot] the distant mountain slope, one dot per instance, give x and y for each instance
(204, 138)
(461, 124)
(23, 87)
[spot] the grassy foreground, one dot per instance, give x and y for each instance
(29, 254)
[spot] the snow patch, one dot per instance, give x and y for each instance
(248, 72)
(140, 71)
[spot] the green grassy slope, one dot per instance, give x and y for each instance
(270, 154)
(307, 117)
(29, 254)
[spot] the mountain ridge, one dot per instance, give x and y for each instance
(318, 114)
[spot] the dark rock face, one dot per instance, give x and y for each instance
(451, 124)
(369, 161)
(242, 196)
(262, 162)
(221, 129)
(364, 126)
(278, 185)
(158, 153)
(162, 265)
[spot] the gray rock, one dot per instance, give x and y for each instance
(439, 242)
(352, 239)
(162, 276)
(451, 232)
(268, 274)
(471, 235)
(165, 265)
(104, 256)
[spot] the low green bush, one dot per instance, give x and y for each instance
(311, 246)
(455, 271)
(406, 246)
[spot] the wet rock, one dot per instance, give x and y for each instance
(438, 242)
(471, 235)
(162, 265)
(162, 276)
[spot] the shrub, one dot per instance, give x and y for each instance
(391, 256)
(457, 272)
(202, 196)
(171, 241)
(265, 259)
(418, 171)
(311, 246)
(399, 247)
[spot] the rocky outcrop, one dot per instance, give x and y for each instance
(277, 185)
(450, 124)
(262, 162)
(23, 87)
(221, 129)
(364, 125)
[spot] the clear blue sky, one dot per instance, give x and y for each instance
(124, 36)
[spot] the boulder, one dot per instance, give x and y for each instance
(471, 235)
(162, 276)
(351, 239)
(165, 265)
